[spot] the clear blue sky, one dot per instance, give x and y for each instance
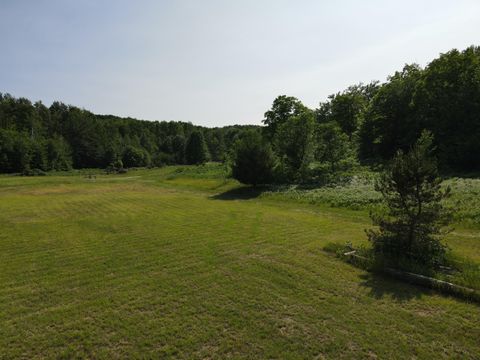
(216, 62)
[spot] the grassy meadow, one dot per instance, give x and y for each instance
(182, 262)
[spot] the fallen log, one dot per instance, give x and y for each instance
(426, 281)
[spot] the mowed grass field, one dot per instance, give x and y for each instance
(160, 264)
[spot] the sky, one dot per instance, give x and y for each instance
(216, 62)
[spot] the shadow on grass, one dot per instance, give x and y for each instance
(240, 193)
(250, 192)
(381, 286)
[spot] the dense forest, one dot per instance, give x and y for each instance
(369, 123)
(364, 124)
(36, 138)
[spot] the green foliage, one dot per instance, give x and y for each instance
(58, 154)
(38, 156)
(447, 102)
(33, 172)
(196, 151)
(412, 226)
(118, 164)
(283, 108)
(135, 157)
(116, 167)
(294, 145)
(332, 145)
(15, 151)
(72, 137)
(216, 145)
(390, 123)
(162, 159)
(252, 160)
(378, 120)
(85, 137)
(443, 98)
(346, 108)
(178, 149)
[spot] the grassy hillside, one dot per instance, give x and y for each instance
(180, 262)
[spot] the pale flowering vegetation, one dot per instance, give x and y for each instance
(358, 193)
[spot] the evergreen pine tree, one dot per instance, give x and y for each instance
(412, 226)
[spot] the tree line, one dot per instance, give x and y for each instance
(369, 123)
(364, 124)
(36, 138)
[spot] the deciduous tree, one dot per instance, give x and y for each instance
(252, 160)
(196, 151)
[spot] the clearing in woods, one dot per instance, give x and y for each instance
(156, 264)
